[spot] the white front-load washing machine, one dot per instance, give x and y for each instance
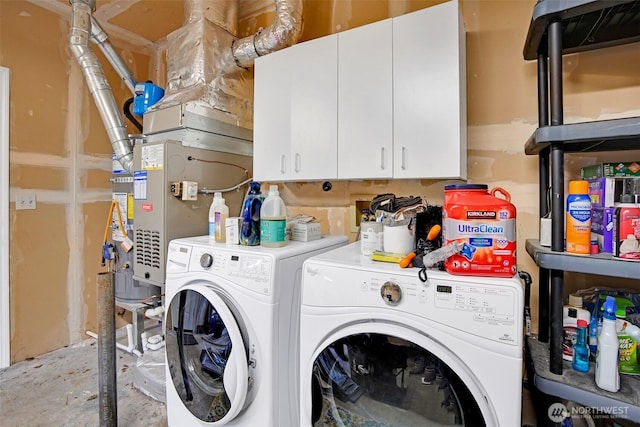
(381, 347)
(232, 331)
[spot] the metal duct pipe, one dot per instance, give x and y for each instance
(107, 392)
(284, 31)
(99, 37)
(223, 13)
(81, 11)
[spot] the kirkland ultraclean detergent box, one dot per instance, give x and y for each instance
(484, 225)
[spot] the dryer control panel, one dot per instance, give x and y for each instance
(490, 308)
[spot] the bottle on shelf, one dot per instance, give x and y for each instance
(607, 375)
(250, 226)
(580, 361)
(578, 238)
(626, 235)
(571, 314)
(273, 220)
(212, 215)
(220, 214)
(628, 338)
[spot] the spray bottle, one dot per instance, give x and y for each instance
(607, 375)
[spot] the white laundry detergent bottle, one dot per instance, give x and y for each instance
(220, 215)
(273, 220)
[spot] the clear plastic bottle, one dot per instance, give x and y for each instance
(220, 215)
(607, 375)
(212, 215)
(580, 348)
(273, 220)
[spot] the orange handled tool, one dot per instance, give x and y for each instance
(433, 232)
(406, 261)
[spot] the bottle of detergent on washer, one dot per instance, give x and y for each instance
(220, 215)
(212, 215)
(273, 220)
(250, 227)
(607, 375)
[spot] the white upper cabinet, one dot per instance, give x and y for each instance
(380, 101)
(365, 102)
(295, 113)
(429, 94)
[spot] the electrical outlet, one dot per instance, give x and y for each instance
(25, 201)
(189, 190)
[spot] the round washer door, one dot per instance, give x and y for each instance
(206, 355)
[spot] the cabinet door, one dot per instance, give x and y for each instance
(272, 116)
(365, 102)
(429, 84)
(295, 112)
(314, 109)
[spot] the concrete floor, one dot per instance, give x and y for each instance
(61, 389)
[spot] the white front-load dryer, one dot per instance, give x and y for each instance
(232, 331)
(381, 347)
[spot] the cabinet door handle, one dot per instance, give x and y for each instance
(403, 165)
(382, 158)
(282, 164)
(297, 164)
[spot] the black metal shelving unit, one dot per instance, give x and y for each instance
(560, 27)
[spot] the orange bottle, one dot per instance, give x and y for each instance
(578, 224)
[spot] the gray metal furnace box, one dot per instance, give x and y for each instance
(160, 216)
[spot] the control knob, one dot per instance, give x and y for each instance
(206, 260)
(391, 293)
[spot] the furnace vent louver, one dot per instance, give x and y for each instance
(148, 248)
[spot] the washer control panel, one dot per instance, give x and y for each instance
(251, 271)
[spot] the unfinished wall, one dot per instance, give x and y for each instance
(59, 152)
(59, 149)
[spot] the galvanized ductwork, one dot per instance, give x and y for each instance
(284, 31)
(99, 37)
(208, 95)
(81, 11)
(208, 81)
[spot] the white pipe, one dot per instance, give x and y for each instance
(130, 335)
(130, 349)
(155, 313)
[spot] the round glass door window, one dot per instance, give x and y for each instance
(204, 350)
(377, 380)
